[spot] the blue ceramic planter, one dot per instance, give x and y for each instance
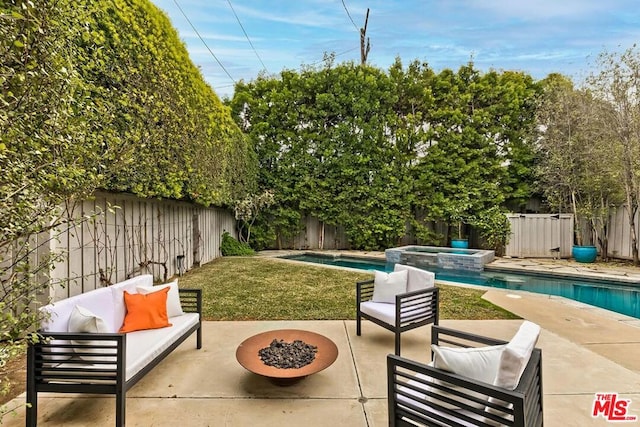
(584, 254)
(459, 243)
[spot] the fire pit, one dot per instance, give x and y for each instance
(291, 344)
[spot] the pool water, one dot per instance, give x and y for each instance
(618, 297)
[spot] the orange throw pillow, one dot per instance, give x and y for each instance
(145, 311)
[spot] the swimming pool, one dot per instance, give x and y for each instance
(618, 297)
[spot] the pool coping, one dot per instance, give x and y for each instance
(497, 265)
(532, 268)
(566, 271)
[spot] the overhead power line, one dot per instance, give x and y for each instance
(349, 15)
(203, 42)
(247, 36)
(337, 54)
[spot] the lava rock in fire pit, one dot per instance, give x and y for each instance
(284, 355)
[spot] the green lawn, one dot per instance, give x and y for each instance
(257, 288)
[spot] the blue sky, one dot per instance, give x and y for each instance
(538, 37)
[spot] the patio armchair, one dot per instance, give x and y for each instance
(400, 301)
(469, 385)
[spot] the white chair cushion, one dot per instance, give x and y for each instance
(83, 320)
(387, 286)
(425, 410)
(174, 308)
(516, 355)
(513, 361)
(478, 363)
(382, 311)
(418, 278)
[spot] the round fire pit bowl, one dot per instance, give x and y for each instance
(247, 355)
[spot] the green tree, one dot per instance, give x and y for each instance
(616, 83)
(461, 173)
(164, 132)
(573, 144)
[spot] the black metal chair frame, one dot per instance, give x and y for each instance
(521, 407)
(413, 309)
(44, 373)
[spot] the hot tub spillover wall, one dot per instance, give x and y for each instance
(445, 258)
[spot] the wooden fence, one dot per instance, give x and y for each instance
(532, 236)
(315, 235)
(129, 235)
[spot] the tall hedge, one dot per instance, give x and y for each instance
(373, 151)
(165, 132)
(129, 106)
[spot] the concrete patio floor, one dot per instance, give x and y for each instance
(585, 351)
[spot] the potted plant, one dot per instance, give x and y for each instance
(461, 242)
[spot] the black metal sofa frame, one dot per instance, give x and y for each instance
(426, 402)
(413, 309)
(104, 377)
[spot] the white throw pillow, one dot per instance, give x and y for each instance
(387, 286)
(516, 355)
(478, 363)
(83, 320)
(417, 278)
(174, 308)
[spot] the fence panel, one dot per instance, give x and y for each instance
(540, 235)
(137, 236)
(313, 233)
(620, 233)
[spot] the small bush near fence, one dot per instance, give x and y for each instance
(232, 247)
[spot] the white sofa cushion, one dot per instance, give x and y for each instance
(144, 346)
(418, 278)
(174, 308)
(387, 286)
(57, 314)
(83, 320)
(97, 301)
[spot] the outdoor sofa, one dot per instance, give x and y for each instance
(82, 350)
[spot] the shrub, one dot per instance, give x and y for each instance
(232, 247)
